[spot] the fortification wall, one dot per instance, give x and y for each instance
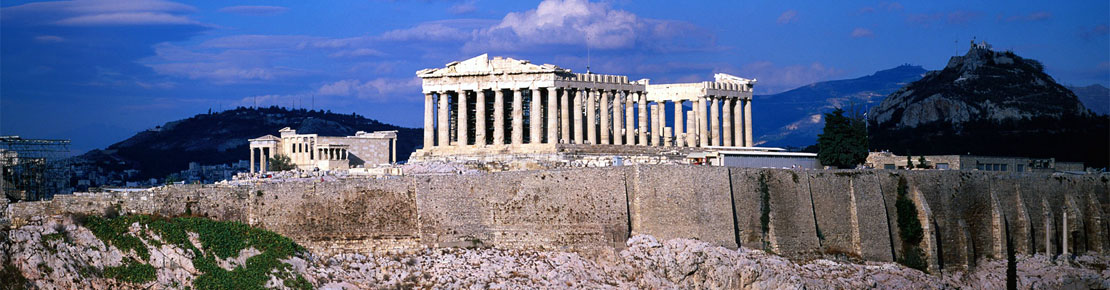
(966, 216)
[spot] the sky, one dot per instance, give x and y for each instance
(97, 72)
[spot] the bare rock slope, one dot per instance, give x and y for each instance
(56, 252)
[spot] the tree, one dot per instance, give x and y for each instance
(843, 143)
(923, 164)
(909, 162)
(280, 162)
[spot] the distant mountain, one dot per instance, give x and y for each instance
(794, 118)
(221, 138)
(989, 103)
(1095, 97)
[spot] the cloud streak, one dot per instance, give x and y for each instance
(254, 10)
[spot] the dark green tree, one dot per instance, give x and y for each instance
(909, 162)
(280, 162)
(923, 164)
(843, 143)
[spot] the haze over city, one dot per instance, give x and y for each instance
(97, 72)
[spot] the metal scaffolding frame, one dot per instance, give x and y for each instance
(32, 169)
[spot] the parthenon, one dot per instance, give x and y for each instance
(509, 106)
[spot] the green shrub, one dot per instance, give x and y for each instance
(131, 271)
(909, 228)
(221, 240)
(764, 207)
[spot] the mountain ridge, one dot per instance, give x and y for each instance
(221, 138)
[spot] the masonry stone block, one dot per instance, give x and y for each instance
(692, 202)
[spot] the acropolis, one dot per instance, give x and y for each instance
(502, 106)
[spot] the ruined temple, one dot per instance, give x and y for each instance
(503, 106)
(312, 152)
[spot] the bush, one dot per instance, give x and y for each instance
(280, 162)
(909, 228)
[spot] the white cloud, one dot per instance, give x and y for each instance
(102, 13)
(462, 8)
(773, 78)
(860, 32)
(787, 17)
(49, 38)
(380, 89)
(573, 22)
(254, 10)
(126, 18)
(358, 52)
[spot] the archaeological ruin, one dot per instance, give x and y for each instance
(482, 107)
(311, 151)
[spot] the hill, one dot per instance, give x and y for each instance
(794, 118)
(1095, 97)
(989, 103)
(221, 138)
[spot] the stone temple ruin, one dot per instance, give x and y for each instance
(311, 151)
(504, 109)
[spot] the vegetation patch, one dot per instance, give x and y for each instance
(220, 240)
(131, 271)
(909, 228)
(764, 208)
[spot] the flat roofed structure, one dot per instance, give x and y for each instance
(483, 106)
(311, 151)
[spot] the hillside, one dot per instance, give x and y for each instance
(220, 138)
(794, 118)
(989, 103)
(1095, 97)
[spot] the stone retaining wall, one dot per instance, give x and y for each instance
(966, 216)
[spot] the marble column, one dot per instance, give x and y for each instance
(643, 122)
(703, 124)
(518, 117)
(630, 133)
(738, 123)
(726, 122)
(748, 123)
(591, 117)
(604, 104)
(691, 128)
(480, 118)
(618, 118)
(498, 116)
(679, 140)
(429, 122)
(252, 160)
(552, 115)
(564, 116)
(463, 128)
(714, 121)
(442, 135)
(262, 152)
(534, 117)
(667, 139)
(657, 124)
(578, 98)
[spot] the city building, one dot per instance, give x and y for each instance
(887, 160)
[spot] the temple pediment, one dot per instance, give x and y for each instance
(483, 65)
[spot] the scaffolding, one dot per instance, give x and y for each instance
(32, 169)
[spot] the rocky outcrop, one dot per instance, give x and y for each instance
(54, 252)
(991, 103)
(983, 84)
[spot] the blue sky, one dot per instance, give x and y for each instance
(99, 71)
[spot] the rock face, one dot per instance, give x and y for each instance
(55, 253)
(988, 103)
